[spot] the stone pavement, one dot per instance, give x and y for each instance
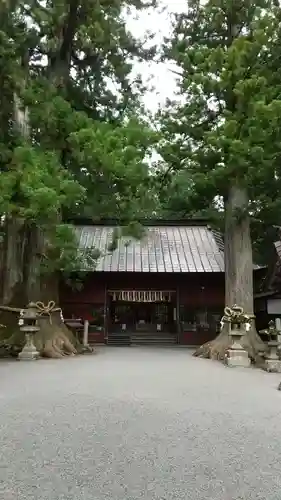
(138, 423)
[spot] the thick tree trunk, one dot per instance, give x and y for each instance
(21, 262)
(238, 275)
(32, 266)
(238, 255)
(50, 288)
(12, 260)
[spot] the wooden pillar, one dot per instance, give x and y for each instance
(86, 333)
(105, 315)
(278, 327)
(178, 314)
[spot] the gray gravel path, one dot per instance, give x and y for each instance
(126, 424)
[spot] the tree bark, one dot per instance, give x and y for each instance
(238, 259)
(32, 275)
(238, 256)
(12, 260)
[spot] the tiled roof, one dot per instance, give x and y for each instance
(178, 249)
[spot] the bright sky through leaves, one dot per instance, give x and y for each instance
(159, 74)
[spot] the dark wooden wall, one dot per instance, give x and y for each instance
(198, 294)
(194, 291)
(192, 286)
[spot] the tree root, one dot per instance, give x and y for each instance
(217, 348)
(53, 340)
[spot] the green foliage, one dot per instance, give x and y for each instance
(134, 230)
(116, 235)
(225, 128)
(72, 142)
(128, 231)
(36, 186)
(112, 164)
(62, 252)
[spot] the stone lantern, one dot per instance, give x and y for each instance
(238, 322)
(29, 326)
(272, 362)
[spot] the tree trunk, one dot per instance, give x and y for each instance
(12, 260)
(50, 288)
(32, 276)
(238, 261)
(238, 257)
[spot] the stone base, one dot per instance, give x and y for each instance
(28, 355)
(237, 357)
(272, 365)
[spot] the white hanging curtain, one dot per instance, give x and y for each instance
(141, 296)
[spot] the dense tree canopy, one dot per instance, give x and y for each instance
(72, 138)
(227, 122)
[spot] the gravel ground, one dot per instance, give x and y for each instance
(132, 423)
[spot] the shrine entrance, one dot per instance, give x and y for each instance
(142, 313)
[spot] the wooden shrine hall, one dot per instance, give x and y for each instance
(166, 288)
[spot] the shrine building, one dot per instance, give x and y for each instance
(166, 288)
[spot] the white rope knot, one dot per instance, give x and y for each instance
(45, 309)
(235, 314)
